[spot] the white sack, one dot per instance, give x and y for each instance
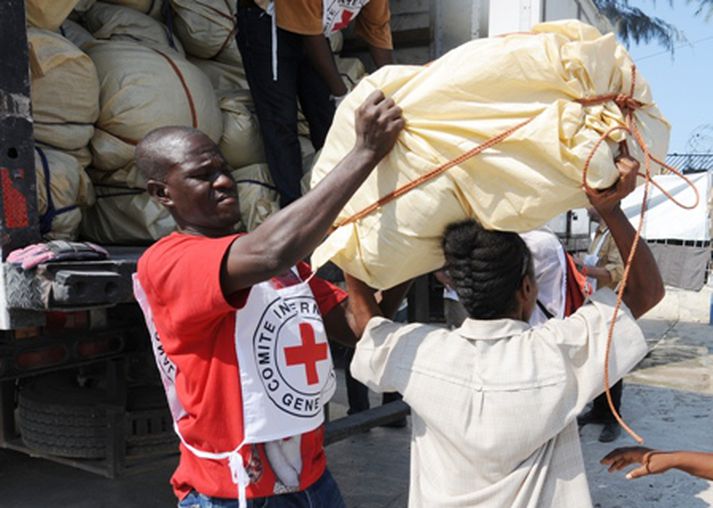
(69, 186)
(241, 143)
(65, 91)
(142, 90)
(207, 28)
(117, 23)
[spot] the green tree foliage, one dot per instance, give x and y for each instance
(634, 25)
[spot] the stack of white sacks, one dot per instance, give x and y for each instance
(104, 74)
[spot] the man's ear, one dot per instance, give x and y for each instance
(159, 192)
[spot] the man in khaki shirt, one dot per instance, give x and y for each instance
(494, 403)
(605, 269)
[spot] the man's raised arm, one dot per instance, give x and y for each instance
(295, 231)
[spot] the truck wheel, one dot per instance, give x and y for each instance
(58, 417)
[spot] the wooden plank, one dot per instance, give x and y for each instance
(342, 428)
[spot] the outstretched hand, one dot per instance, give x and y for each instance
(378, 124)
(604, 201)
(622, 457)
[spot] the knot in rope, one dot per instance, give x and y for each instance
(627, 102)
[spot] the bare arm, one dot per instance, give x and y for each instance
(655, 462)
(645, 287)
(381, 56)
(321, 58)
(293, 232)
(363, 302)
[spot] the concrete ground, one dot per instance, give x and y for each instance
(668, 399)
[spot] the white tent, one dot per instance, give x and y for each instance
(665, 220)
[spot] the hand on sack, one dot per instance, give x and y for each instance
(378, 124)
(604, 201)
(651, 461)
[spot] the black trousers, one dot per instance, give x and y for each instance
(276, 101)
(600, 406)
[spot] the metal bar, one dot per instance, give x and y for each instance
(18, 203)
(342, 428)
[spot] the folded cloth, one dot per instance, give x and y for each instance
(57, 250)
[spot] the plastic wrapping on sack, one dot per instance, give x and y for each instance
(257, 195)
(117, 23)
(227, 79)
(65, 91)
(76, 34)
(207, 28)
(48, 14)
(241, 144)
(471, 94)
(124, 213)
(149, 7)
(69, 190)
(143, 89)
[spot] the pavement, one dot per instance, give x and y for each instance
(668, 400)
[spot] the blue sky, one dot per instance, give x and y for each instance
(682, 85)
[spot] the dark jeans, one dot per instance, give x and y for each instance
(324, 493)
(276, 101)
(600, 408)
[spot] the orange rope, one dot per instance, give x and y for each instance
(628, 105)
(431, 175)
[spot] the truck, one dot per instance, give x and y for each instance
(78, 384)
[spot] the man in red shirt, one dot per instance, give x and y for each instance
(238, 322)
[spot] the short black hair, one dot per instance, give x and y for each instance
(157, 151)
(487, 267)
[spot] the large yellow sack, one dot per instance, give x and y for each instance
(143, 89)
(207, 28)
(226, 78)
(124, 213)
(48, 14)
(257, 195)
(69, 191)
(65, 91)
(241, 144)
(469, 95)
(149, 7)
(117, 23)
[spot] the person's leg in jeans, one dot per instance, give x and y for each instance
(317, 107)
(324, 493)
(275, 101)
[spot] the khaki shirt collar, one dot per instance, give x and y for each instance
(484, 329)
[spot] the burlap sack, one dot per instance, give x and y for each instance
(257, 195)
(207, 28)
(124, 213)
(227, 79)
(469, 95)
(143, 89)
(70, 190)
(65, 91)
(117, 23)
(48, 14)
(241, 143)
(149, 7)
(76, 34)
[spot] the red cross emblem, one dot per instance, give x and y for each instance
(308, 353)
(344, 22)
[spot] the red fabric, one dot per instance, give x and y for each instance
(196, 325)
(578, 289)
